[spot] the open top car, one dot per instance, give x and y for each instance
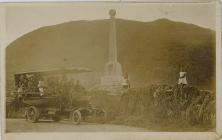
(54, 94)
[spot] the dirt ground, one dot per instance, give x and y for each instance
(21, 125)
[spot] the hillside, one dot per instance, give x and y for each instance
(150, 52)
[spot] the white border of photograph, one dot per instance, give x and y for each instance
(118, 135)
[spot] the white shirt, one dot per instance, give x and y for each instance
(182, 78)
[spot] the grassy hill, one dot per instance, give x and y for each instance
(150, 52)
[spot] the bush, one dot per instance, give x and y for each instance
(185, 104)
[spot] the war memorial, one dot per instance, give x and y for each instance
(138, 99)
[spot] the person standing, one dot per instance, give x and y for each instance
(41, 86)
(182, 77)
(182, 82)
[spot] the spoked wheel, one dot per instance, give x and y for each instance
(32, 114)
(76, 117)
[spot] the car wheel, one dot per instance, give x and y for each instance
(32, 114)
(76, 117)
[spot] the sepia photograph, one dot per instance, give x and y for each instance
(110, 67)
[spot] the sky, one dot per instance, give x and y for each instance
(23, 18)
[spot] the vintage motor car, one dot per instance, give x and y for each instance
(56, 102)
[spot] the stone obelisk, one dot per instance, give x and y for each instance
(113, 71)
(112, 37)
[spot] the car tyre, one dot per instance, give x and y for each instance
(32, 114)
(76, 117)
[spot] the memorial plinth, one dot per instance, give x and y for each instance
(113, 78)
